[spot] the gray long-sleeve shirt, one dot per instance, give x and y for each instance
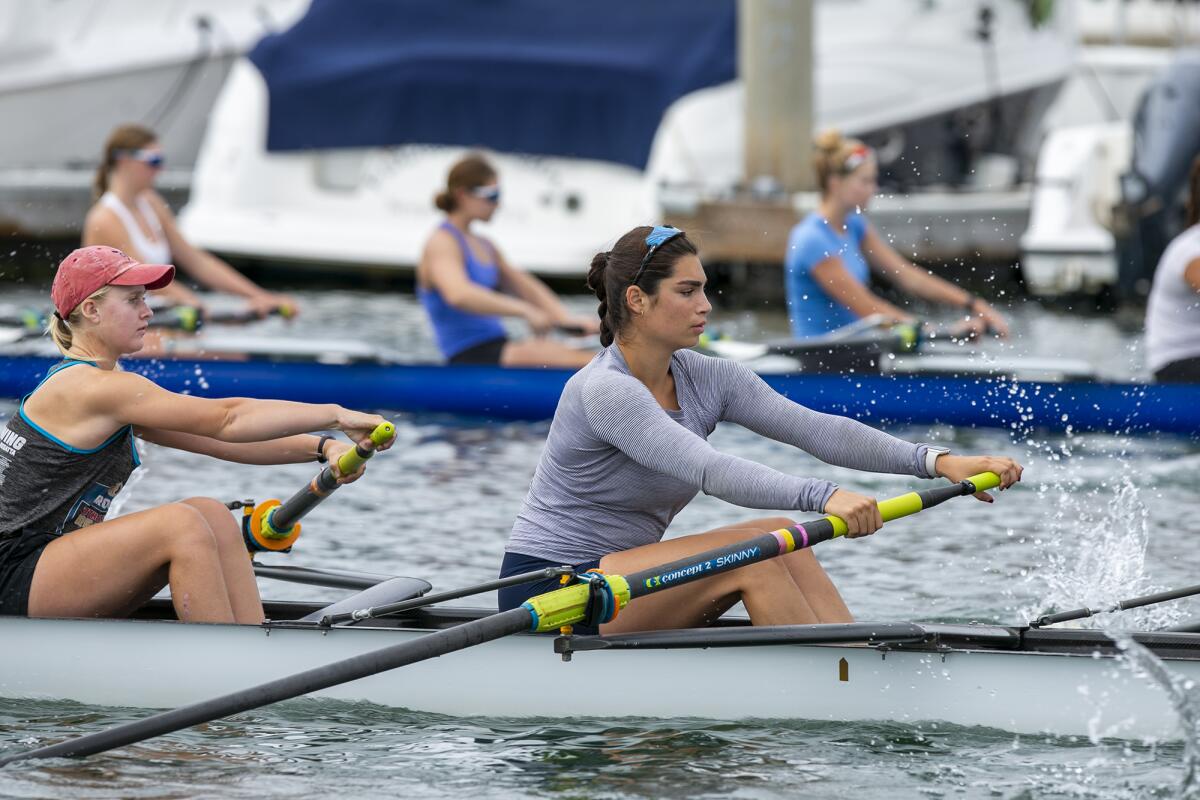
(617, 467)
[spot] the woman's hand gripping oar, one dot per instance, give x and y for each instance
(275, 526)
(596, 600)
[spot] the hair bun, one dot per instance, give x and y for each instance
(596, 274)
(828, 140)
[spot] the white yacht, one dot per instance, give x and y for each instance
(1071, 244)
(72, 70)
(933, 85)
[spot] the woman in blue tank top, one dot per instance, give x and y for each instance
(68, 450)
(466, 285)
(833, 250)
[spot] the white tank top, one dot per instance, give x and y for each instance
(149, 250)
(1173, 311)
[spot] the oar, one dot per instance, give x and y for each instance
(275, 526)
(544, 613)
(332, 579)
(181, 318)
(1123, 605)
(868, 331)
(189, 318)
(375, 612)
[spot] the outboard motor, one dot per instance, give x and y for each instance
(1166, 137)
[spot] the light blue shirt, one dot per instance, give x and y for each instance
(811, 311)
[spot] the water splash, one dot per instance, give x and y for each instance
(1182, 694)
(1098, 556)
(1098, 559)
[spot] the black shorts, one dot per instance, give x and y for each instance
(18, 559)
(487, 353)
(1185, 370)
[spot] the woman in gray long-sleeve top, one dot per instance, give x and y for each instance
(627, 451)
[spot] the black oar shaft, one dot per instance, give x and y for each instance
(287, 514)
(334, 579)
(1123, 605)
(360, 666)
(441, 597)
(295, 507)
(770, 545)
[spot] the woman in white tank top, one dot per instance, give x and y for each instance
(130, 216)
(1173, 311)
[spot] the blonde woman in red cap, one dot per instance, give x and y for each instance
(131, 216)
(69, 449)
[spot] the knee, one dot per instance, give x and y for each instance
(189, 529)
(769, 524)
(207, 506)
(765, 574)
(222, 524)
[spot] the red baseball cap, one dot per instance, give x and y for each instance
(88, 269)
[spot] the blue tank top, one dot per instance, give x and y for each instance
(811, 311)
(456, 330)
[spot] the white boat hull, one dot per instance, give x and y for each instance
(160, 664)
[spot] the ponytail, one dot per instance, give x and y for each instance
(596, 282)
(60, 332)
(60, 329)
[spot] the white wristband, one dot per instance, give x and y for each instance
(931, 457)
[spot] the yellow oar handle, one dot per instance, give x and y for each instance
(911, 503)
(354, 458)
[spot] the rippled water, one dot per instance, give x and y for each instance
(1099, 518)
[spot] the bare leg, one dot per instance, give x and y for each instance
(544, 353)
(103, 569)
(769, 588)
(822, 596)
(235, 561)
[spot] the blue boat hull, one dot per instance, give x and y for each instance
(532, 394)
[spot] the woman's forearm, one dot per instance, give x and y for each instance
(248, 420)
(288, 450)
(530, 289)
(930, 287)
(479, 300)
(833, 439)
(298, 449)
(219, 276)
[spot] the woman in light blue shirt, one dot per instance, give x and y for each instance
(833, 250)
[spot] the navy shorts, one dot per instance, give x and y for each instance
(512, 596)
(1185, 370)
(486, 353)
(19, 556)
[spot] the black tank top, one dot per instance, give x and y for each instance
(46, 485)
